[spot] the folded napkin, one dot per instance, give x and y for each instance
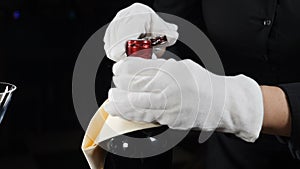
(103, 127)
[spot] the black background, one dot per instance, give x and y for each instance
(37, 53)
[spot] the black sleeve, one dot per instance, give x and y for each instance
(292, 92)
(190, 10)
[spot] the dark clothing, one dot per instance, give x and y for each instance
(261, 39)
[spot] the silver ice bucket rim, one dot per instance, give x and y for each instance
(11, 89)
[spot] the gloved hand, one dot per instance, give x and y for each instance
(184, 95)
(129, 24)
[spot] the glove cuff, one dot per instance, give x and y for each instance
(243, 111)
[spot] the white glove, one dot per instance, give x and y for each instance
(184, 95)
(129, 23)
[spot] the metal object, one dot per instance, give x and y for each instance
(6, 91)
(157, 40)
(143, 46)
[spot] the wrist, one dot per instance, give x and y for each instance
(277, 118)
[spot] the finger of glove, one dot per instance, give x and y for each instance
(141, 83)
(167, 78)
(140, 100)
(139, 115)
(135, 65)
(131, 82)
(125, 111)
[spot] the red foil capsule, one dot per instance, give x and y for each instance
(139, 48)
